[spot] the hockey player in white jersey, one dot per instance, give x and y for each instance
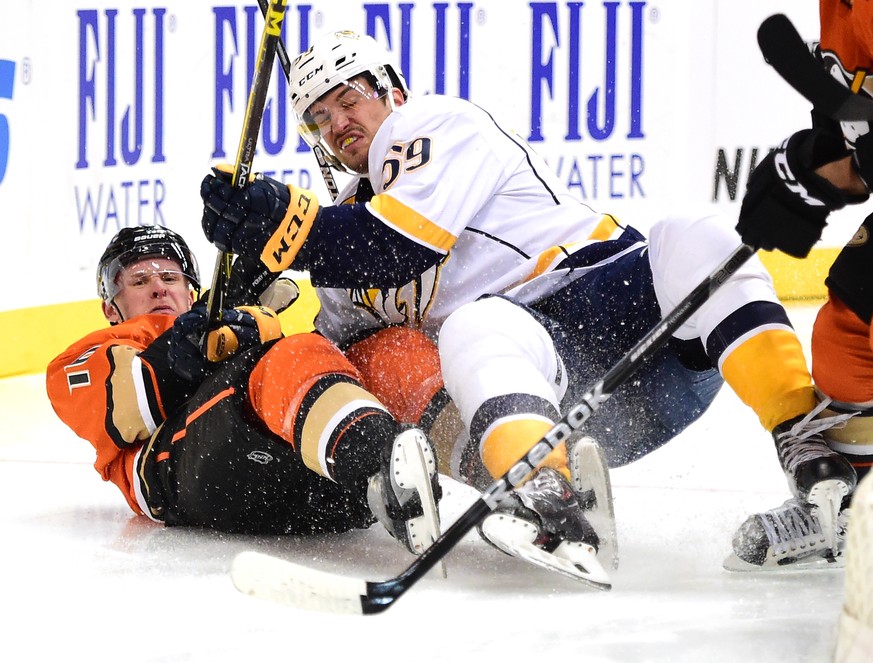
(454, 226)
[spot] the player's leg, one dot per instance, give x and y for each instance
(747, 334)
(401, 367)
(503, 371)
(213, 464)
(842, 348)
(306, 392)
(842, 368)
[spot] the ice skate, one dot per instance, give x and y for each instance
(543, 522)
(590, 478)
(789, 537)
(404, 494)
(816, 474)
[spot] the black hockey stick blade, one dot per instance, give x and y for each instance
(787, 53)
(295, 585)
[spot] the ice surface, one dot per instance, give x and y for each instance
(83, 577)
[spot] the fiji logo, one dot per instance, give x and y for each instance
(261, 457)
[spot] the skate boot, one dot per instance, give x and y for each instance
(543, 522)
(816, 474)
(788, 537)
(403, 496)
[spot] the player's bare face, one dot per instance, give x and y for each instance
(348, 118)
(151, 285)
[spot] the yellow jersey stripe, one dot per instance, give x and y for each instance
(608, 225)
(549, 258)
(411, 223)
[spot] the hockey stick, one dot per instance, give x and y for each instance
(787, 53)
(323, 166)
(285, 582)
(274, 17)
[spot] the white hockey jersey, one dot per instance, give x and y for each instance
(448, 177)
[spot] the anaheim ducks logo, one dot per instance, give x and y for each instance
(860, 238)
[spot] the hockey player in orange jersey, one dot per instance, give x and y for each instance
(447, 208)
(269, 434)
(842, 342)
(842, 345)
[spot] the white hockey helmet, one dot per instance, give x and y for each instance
(332, 60)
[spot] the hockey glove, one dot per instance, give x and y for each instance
(249, 279)
(251, 283)
(263, 220)
(241, 328)
(786, 204)
(280, 295)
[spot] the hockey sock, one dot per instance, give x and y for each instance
(512, 438)
(768, 372)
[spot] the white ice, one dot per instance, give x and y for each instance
(84, 579)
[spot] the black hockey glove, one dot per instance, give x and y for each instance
(249, 279)
(242, 220)
(252, 284)
(786, 204)
(265, 220)
(241, 328)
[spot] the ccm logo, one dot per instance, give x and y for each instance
(780, 161)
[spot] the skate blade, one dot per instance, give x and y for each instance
(417, 473)
(575, 560)
(734, 564)
(589, 471)
(431, 513)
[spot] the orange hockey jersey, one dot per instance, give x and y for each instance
(112, 396)
(847, 32)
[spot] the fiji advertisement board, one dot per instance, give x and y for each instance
(111, 113)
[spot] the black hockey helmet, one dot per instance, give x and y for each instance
(132, 244)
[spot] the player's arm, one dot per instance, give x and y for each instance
(352, 246)
(341, 246)
(106, 390)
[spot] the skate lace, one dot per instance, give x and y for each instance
(803, 441)
(555, 504)
(790, 528)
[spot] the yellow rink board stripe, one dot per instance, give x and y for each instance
(800, 281)
(32, 337)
